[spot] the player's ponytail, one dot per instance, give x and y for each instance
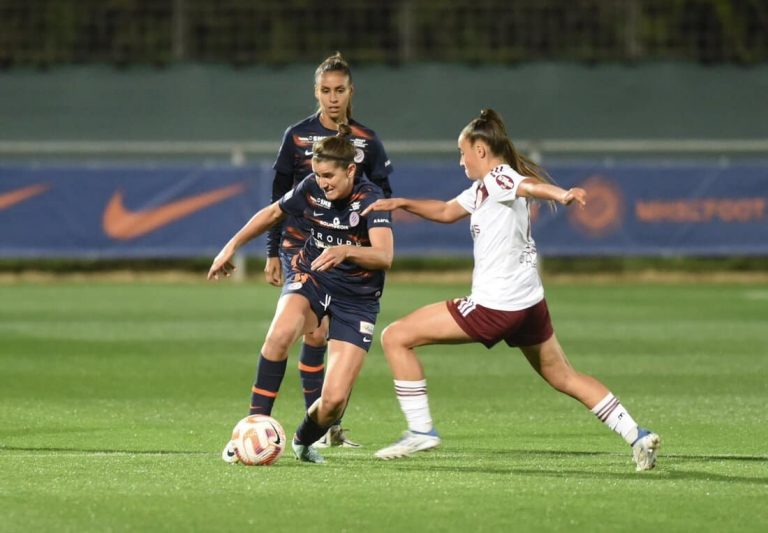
(489, 127)
(338, 148)
(335, 63)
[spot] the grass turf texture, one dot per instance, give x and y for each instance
(116, 399)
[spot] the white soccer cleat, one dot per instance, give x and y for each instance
(306, 454)
(410, 443)
(644, 449)
(336, 436)
(229, 455)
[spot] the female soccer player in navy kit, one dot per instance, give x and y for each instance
(333, 91)
(338, 273)
(507, 301)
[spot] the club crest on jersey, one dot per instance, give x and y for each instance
(505, 182)
(354, 219)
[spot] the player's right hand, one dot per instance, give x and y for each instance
(273, 272)
(222, 263)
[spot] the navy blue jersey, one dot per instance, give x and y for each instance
(294, 163)
(335, 223)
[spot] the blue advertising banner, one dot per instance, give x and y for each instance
(190, 210)
(124, 211)
(632, 209)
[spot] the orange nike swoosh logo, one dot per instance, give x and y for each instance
(120, 223)
(19, 195)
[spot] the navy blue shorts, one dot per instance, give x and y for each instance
(285, 262)
(351, 319)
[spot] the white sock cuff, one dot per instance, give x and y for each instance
(605, 405)
(410, 388)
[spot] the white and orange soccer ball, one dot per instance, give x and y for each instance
(258, 440)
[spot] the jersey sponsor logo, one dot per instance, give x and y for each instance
(336, 224)
(320, 202)
(324, 240)
(380, 221)
(366, 328)
(529, 256)
(121, 223)
(354, 219)
(7, 199)
(505, 182)
(359, 155)
(354, 206)
(308, 140)
(304, 140)
(474, 229)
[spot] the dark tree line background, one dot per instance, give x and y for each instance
(44, 33)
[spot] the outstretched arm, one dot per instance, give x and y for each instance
(532, 188)
(258, 224)
(436, 210)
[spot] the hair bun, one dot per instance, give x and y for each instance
(344, 130)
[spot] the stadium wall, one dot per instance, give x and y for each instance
(426, 101)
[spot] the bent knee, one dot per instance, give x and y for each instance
(279, 340)
(397, 335)
(316, 337)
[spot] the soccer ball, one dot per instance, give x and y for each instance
(258, 440)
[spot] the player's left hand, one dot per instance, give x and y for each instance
(330, 258)
(576, 194)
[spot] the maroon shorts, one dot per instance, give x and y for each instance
(526, 327)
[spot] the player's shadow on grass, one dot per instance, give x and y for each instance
(673, 470)
(86, 451)
(661, 475)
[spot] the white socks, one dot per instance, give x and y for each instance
(610, 412)
(412, 396)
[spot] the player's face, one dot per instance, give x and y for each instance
(470, 159)
(336, 181)
(333, 91)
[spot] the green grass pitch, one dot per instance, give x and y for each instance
(116, 399)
